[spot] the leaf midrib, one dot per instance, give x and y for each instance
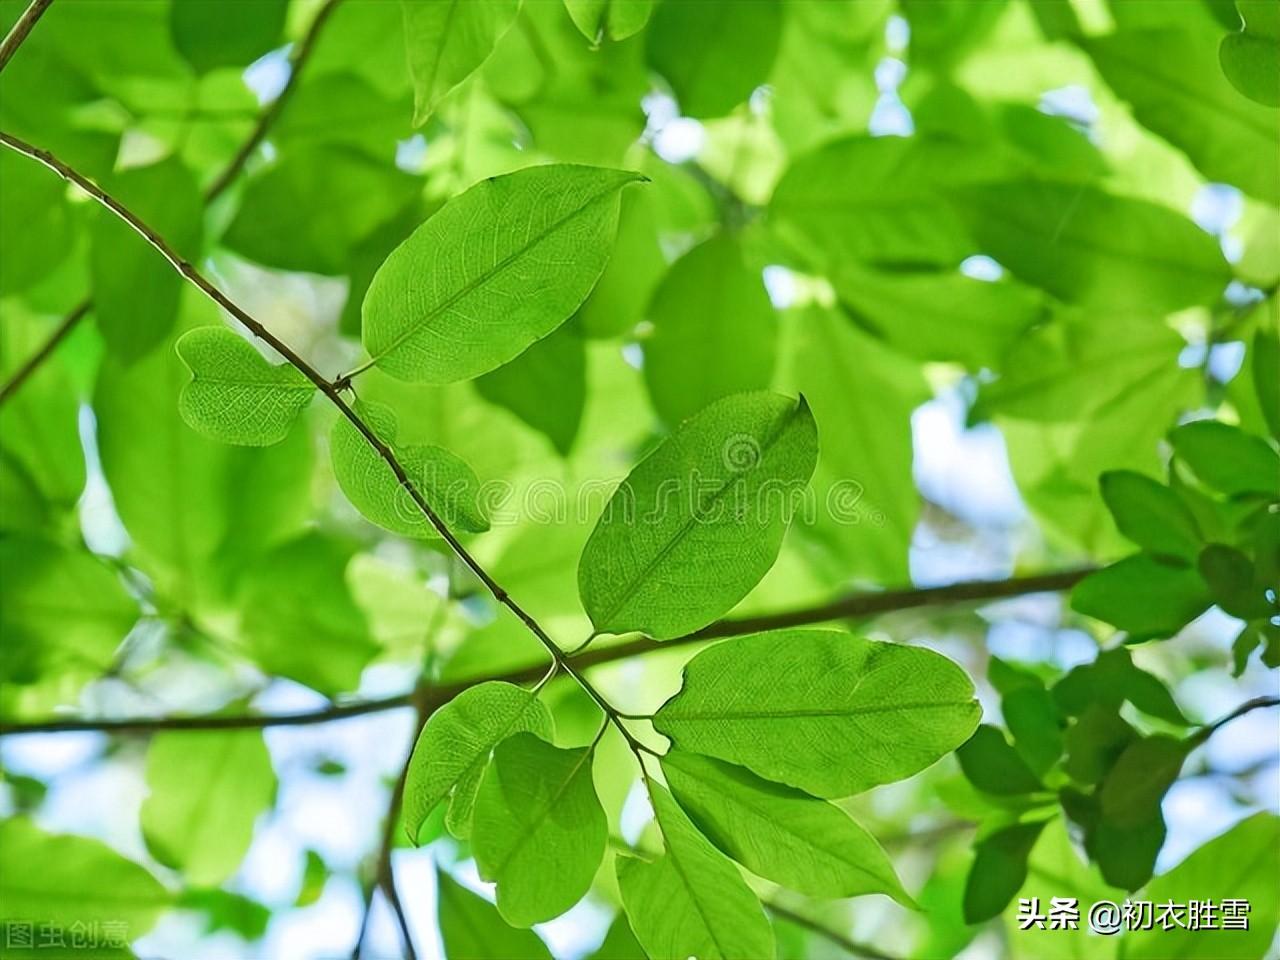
(803, 712)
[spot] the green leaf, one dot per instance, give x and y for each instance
(699, 521)
(1236, 587)
(235, 395)
(863, 393)
(275, 224)
(691, 901)
(447, 484)
(999, 870)
(64, 883)
(713, 53)
(1174, 83)
(619, 942)
(826, 712)
(1242, 863)
(472, 929)
(135, 291)
(1150, 514)
(601, 20)
(1226, 458)
(1112, 679)
(1033, 719)
(36, 229)
(1125, 853)
(1095, 742)
(1095, 249)
(65, 612)
(940, 316)
(618, 300)
(439, 310)
(453, 749)
(446, 41)
(1145, 597)
(780, 833)
(207, 791)
(713, 331)
(1265, 357)
(1132, 790)
(893, 212)
(207, 38)
(1250, 58)
(299, 619)
(993, 766)
(540, 831)
(546, 387)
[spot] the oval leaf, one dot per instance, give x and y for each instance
(495, 269)
(779, 832)
(444, 480)
(700, 520)
(827, 712)
(454, 746)
(540, 829)
(447, 40)
(691, 901)
(235, 395)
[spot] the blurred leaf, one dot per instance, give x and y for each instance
(207, 792)
(1150, 514)
(609, 19)
(539, 828)
(207, 37)
(826, 712)
(472, 929)
(713, 53)
(224, 910)
(1112, 679)
(447, 41)
(454, 747)
(780, 833)
(1250, 58)
(706, 510)
(999, 870)
(993, 766)
(538, 239)
(713, 331)
(1226, 458)
(691, 901)
(1235, 586)
(36, 226)
(545, 387)
(315, 874)
(1132, 790)
(1143, 596)
(1095, 741)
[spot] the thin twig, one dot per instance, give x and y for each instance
(229, 173)
(852, 947)
(1257, 703)
(855, 604)
(18, 32)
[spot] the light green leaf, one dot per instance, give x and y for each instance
(940, 316)
(439, 310)
(1174, 83)
(1092, 248)
(36, 229)
(1143, 596)
(827, 712)
(446, 41)
(713, 331)
(235, 395)
(546, 387)
(1241, 863)
(691, 901)
(207, 791)
(699, 521)
(472, 929)
(1226, 458)
(65, 883)
(453, 749)
(539, 830)
(619, 942)
(299, 619)
(617, 302)
(778, 832)
(1150, 514)
(65, 612)
(1251, 58)
(445, 481)
(601, 20)
(713, 53)
(893, 212)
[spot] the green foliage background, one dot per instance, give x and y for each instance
(555, 385)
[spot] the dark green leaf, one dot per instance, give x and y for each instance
(208, 37)
(993, 766)
(545, 386)
(1226, 458)
(1150, 514)
(999, 870)
(1143, 596)
(601, 20)
(472, 929)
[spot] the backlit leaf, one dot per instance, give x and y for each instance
(472, 929)
(446, 41)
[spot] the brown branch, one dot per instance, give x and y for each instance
(855, 604)
(18, 33)
(1209, 729)
(266, 118)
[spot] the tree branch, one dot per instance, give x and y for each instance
(301, 53)
(850, 946)
(18, 33)
(855, 604)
